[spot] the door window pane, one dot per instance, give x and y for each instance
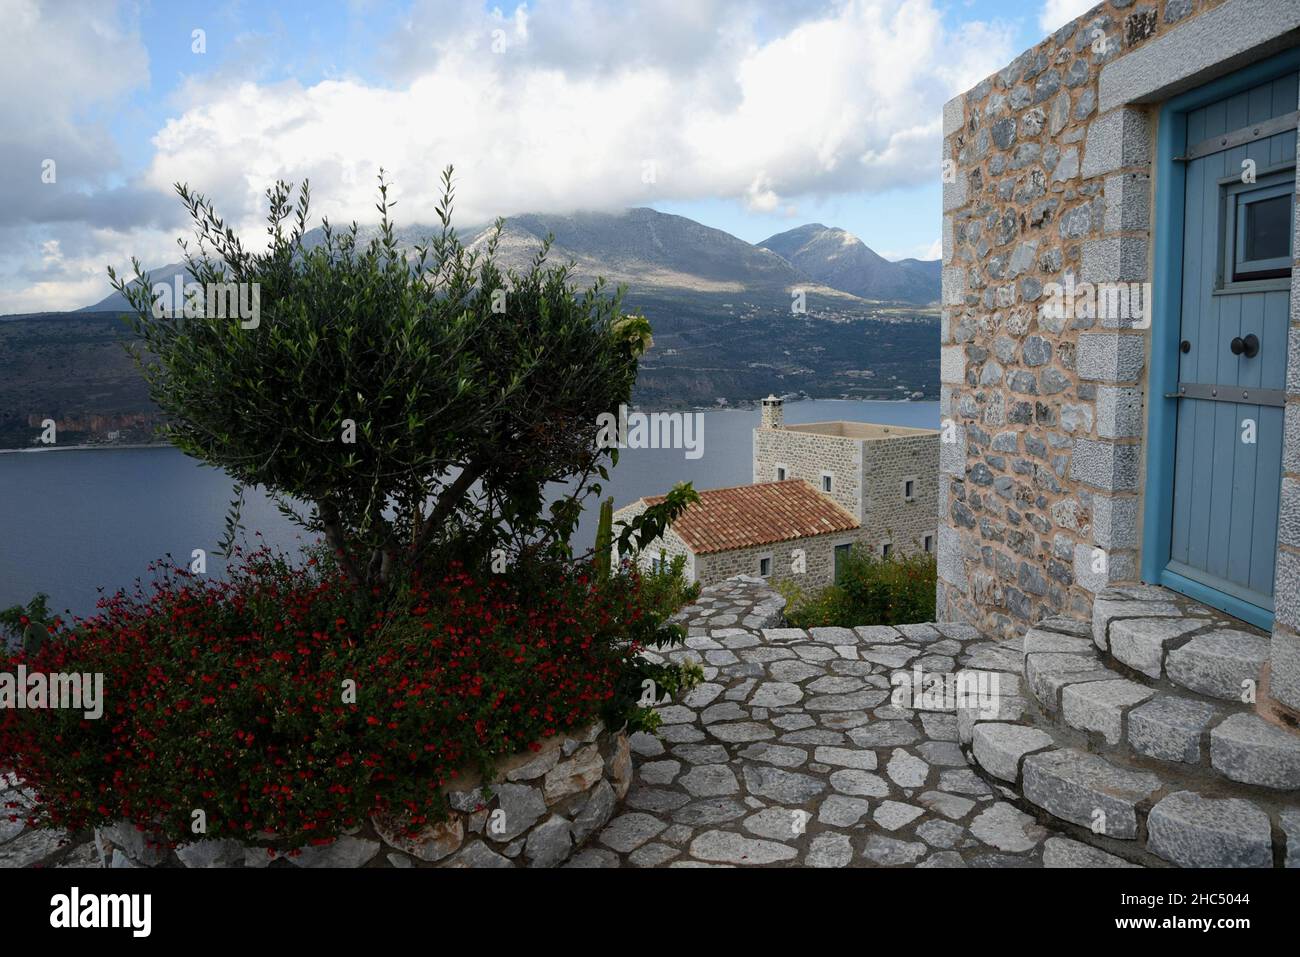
(1268, 229)
(1257, 229)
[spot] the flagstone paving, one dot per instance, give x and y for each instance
(795, 751)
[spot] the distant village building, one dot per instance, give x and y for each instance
(819, 489)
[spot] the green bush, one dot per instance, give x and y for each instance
(666, 589)
(283, 712)
(871, 591)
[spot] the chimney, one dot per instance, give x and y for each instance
(773, 413)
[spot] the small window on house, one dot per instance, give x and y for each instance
(661, 563)
(929, 544)
(765, 567)
(886, 550)
(826, 481)
(909, 490)
(780, 473)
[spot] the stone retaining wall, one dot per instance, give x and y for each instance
(540, 809)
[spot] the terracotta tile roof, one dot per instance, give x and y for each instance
(751, 515)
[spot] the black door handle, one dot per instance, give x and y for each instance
(1249, 346)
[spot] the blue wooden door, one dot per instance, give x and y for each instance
(1238, 228)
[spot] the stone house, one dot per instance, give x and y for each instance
(1121, 334)
(773, 530)
(882, 474)
(819, 489)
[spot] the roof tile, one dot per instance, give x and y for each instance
(750, 515)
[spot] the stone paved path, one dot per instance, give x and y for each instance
(791, 753)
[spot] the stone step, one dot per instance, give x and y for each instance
(1115, 805)
(1171, 728)
(1100, 706)
(1088, 790)
(1140, 643)
(1079, 690)
(1246, 748)
(999, 746)
(1222, 664)
(1194, 831)
(1168, 637)
(1150, 771)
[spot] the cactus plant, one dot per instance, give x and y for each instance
(604, 540)
(32, 638)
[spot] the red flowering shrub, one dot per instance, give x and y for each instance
(271, 704)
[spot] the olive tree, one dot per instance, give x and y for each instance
(411, 405)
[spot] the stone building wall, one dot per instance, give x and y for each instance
(818, 560)
(806, 455)
(670, 544)
(1040, 445)
(1049, 179)
(887, 514)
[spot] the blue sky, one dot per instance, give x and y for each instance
(750, 116)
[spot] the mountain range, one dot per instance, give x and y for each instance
(654, 253)
(725, 327)
(837, 258)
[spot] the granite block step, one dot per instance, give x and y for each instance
(970, 712)
(1140, 643)
(1088, 790)
(1171, 728)
(1112, 606)
(998, 747)
(1046, 674)
(1100, 706)
(1194, 831)
(1246, 748)
(1141, 764)
(1076, 689)
(1221, 664)
(1170, 812)
(1043, 641)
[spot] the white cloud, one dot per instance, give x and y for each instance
(848, 100)
(932, 250)
(1057, 13)
(725, 99)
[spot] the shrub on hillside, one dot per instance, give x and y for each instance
(870, 591)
